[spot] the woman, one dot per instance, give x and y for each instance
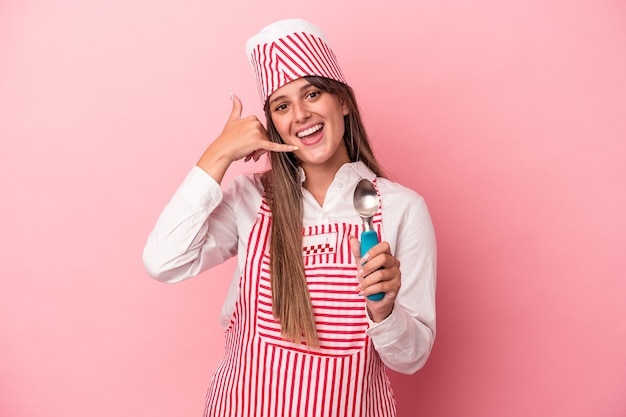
(301, 336)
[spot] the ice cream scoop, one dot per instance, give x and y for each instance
(365, 202)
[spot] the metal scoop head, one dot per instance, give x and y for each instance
(365, 202)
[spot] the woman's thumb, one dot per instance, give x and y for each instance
(237, 107)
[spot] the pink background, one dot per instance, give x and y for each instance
(508, 116)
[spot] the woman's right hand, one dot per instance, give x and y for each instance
(241, 138)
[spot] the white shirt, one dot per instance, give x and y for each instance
(203, 225)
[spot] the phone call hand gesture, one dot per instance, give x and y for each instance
(242, 137)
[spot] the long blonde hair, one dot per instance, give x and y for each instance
(290, 295)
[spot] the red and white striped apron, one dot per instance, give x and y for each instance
(264, 375)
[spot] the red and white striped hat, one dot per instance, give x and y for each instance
(287, 50)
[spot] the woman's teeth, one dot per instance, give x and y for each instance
(309, 131)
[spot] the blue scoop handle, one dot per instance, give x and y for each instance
(369, 239)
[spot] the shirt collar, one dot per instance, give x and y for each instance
(347, 172)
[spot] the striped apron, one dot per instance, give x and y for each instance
(264, 375)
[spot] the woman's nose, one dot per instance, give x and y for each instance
(301, 112)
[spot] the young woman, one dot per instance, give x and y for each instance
(302, 337)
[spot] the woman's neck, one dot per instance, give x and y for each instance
(318, 179)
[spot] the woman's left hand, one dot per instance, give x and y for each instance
(377, 271)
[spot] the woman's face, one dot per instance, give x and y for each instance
(313, 120)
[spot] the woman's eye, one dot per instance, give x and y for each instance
(280, 107)
(313, 94)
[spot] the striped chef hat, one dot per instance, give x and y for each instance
(287, 50)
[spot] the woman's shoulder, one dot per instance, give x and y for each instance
(247, 184)
(391, 191)
(397, 192)
(249, 179)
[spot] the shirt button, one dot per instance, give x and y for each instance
(340, 185)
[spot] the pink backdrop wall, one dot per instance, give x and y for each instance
(509, 117)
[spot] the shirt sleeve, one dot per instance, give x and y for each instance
(405, 339)
(196, 230)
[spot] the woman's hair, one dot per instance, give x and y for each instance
(290, 295)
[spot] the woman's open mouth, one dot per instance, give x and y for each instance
(311, 135)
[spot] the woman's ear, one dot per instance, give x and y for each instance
(345, 108)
